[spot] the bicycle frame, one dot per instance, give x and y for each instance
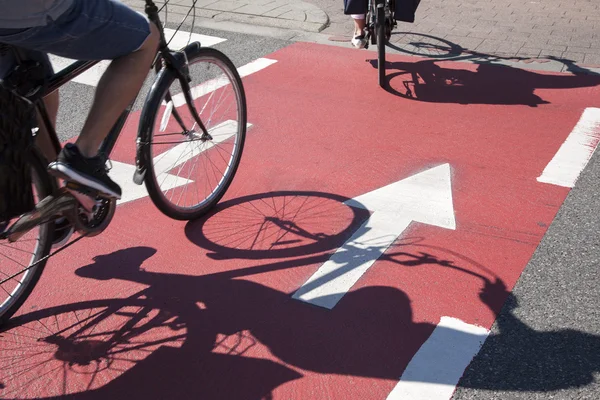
(28, 81)
(61, 78)
(171, 60)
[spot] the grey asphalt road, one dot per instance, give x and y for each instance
(546, 342)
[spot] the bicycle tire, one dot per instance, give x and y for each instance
(44, 186)
(150, 113)
(380, 32)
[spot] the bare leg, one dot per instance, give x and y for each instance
(359, 24)
(116, 89)
(358, 39)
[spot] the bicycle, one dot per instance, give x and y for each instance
(90, 212)
(380, 23)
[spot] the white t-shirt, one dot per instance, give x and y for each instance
(30, 13)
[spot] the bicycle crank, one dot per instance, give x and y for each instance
(89, 215)
(45, 211)
(94, 212)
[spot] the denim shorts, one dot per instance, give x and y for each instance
(89, 30)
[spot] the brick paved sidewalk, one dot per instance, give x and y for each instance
(288, 14)
(525, 29)
(568, 29)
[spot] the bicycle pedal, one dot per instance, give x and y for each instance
(86, 190)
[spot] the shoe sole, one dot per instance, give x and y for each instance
(62, 171)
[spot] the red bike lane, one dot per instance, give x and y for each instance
(212, 308)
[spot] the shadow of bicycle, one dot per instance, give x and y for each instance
(493, 81)
(227, 335)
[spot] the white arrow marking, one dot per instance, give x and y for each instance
(92, 76)
(122, 173)
(575, 152)
(425, 197)
(436, 368)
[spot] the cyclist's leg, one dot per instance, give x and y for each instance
(358, 39)
(97, 30)
(357, 10)
(113, 23)
(104, 29)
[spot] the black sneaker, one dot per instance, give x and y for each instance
(71, 165)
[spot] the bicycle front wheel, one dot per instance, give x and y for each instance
(188, 172)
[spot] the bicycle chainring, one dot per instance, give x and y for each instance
(94, 223)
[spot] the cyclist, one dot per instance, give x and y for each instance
(83, 30)
(404, 10)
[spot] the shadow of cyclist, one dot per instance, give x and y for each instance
(341, 341)
(245, 340)
(435, 82)
(301, 335)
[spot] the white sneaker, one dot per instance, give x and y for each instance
(359, 41)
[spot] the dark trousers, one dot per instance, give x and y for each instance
(404, 9)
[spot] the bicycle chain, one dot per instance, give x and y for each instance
(35, 264)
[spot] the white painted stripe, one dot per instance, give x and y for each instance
(217, 83)
(92, 76)
(575, 152)
(436, 368)
(326, 287)
(185, 151)
(122, 174)
(183, 38)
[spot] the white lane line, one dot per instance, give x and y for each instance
(92, 76)
(575, 152)
(182, 39)
(217, 83)
(436, 368)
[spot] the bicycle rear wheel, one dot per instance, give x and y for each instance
(17, 277)
(187, 172)
(381, 40)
